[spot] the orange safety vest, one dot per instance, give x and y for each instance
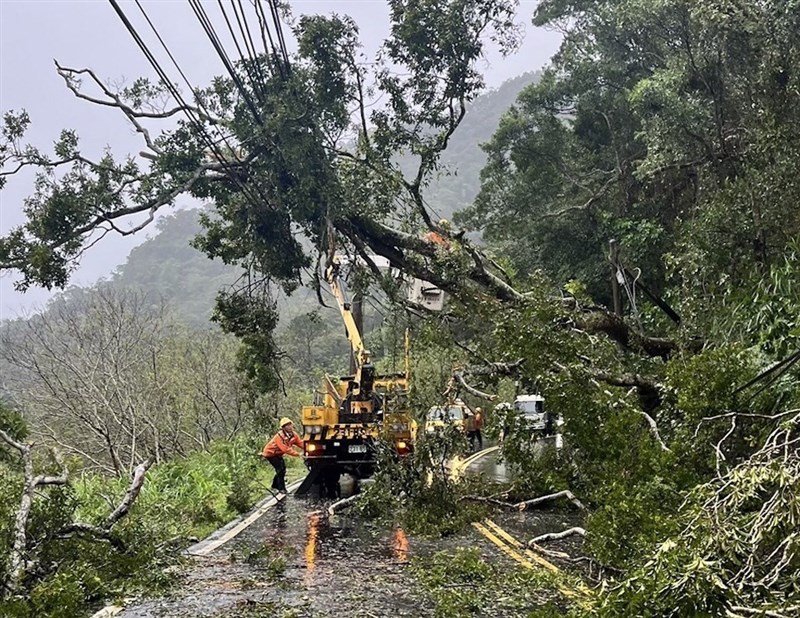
(281, 444)
(469, 422)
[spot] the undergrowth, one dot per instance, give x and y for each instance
(463, 584)
(418, 493)
(181, 501)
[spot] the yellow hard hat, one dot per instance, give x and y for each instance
(444, 222)
(285, 421)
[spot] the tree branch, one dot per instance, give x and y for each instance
(17, 562)
(553, 536)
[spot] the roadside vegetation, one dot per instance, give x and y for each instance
(182, 500)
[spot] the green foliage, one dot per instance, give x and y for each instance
(736, 545)
(417, 491)
(181, 500)
(462, 583)
(253, 320)
(295, 179)
(16, 428)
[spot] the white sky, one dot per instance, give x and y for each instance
(87, 33)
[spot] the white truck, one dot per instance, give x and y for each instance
(536, 420)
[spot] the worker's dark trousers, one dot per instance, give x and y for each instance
(279, 482)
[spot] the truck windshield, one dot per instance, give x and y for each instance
(449, 414)
(530, 408)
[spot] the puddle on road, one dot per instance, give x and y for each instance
(296, 558)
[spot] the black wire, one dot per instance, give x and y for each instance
(259, 59)
(255, 71)
(250, 64)
(276, 20)
(244, 28)
(200, 127)
(266, 34)
(208, 27)
(233, 35)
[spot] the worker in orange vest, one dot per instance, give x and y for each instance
(479, 427)
(282, 443)
(435, 238)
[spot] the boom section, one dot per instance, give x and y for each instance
(362, 356)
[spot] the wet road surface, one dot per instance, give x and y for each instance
(295, 561)
(490, 466)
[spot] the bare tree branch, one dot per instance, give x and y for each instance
(553, 536)
(17, 562)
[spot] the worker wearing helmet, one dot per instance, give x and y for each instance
(436, 238)
(274, 450)
(479, 427)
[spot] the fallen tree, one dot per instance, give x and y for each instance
(19, 559)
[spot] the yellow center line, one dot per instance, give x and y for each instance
(519, 545)
(506, 542)
(510, 551)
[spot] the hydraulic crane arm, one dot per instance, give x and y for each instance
(360, 353)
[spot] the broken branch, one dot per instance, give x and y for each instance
(553, 536)
(17, 562)
(342, 504)
(521, 506)
(131, 495)
(459, 376)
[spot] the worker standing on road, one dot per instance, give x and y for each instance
(479, 427)
(469, 428)
(274, 450)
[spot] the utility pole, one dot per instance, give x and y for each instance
(613, 257)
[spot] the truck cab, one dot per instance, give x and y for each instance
(440, 417)
(533, 414)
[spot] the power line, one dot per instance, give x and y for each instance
(267, 35)
(247, 37)
(208, 27)
(188, 111)
(233, 35)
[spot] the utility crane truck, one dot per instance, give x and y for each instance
(353, 415)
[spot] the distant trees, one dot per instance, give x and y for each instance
(109, 376)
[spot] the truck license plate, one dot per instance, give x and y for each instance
(357, 448)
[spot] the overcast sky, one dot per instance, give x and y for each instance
(87, 33)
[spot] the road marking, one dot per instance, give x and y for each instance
(507, 543)
(459, 466)
(234, 528)
(519, 545)
(510, 551)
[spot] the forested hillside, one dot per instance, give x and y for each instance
(169, 269)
